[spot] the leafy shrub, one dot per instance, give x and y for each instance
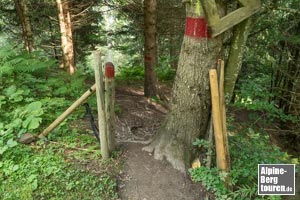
(22, 112)
(165, 73)
(247, 150)
(254, 94)
(14, 60)
(33, 95)
(130, 73)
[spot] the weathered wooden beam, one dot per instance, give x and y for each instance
(102, 123)
(110, 104)
(219, 25)
(63, 116)
(220, 147)
(223, 111)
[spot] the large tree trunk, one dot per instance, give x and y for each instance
(190, 104)
(150, 48)
(23, 14)
(65, 24)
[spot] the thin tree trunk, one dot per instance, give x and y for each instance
(55, 55)
(65, 24)
(150, 47)
(235, 58)
(23, 14)
(190, 104)
(70, 43)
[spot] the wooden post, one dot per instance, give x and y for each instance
(110, 104)
(63, 116)
(219, 25)
(220, 147)
(223, 111)
(100, 104)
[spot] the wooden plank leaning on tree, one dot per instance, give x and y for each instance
(220, 146)
(223, 110)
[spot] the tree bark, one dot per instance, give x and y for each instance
(67, 45)
(150, 48)
(191, 102)
(235, 58)
(23, 14)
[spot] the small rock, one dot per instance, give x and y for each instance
(27, 138)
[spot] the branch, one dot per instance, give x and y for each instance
(290, 10)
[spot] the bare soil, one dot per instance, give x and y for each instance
(143, 177)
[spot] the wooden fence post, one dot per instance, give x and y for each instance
(101, 104)
(110, 104)
(220, 147)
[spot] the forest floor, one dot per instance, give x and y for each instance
(143, 177)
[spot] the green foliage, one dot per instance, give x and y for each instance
(268, 78)
(211, 180)
(253, 93)
(14, 59)
(247, 150)
(204, 146)
(130, 73)
(21, 111)
(26, 174)
(31, 98)
(164, 73)
(155, 99)
(118, 109)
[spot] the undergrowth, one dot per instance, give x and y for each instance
(247, 150)
(32, 94)
(164, 73)
(27, 173)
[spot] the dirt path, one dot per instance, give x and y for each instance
(143, 177)
(147, 179)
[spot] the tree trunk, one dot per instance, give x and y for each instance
(150, 48)
(191, 102)
(55, 55)
(235, 57)
(23, 14)
(65, 24)
(173, 52)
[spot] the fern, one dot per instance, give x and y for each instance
(13, 59)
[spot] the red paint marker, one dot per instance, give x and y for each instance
(109, 70)
(196, 27)
(148, 58)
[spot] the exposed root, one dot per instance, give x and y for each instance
(137, 141)
(171, 150)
